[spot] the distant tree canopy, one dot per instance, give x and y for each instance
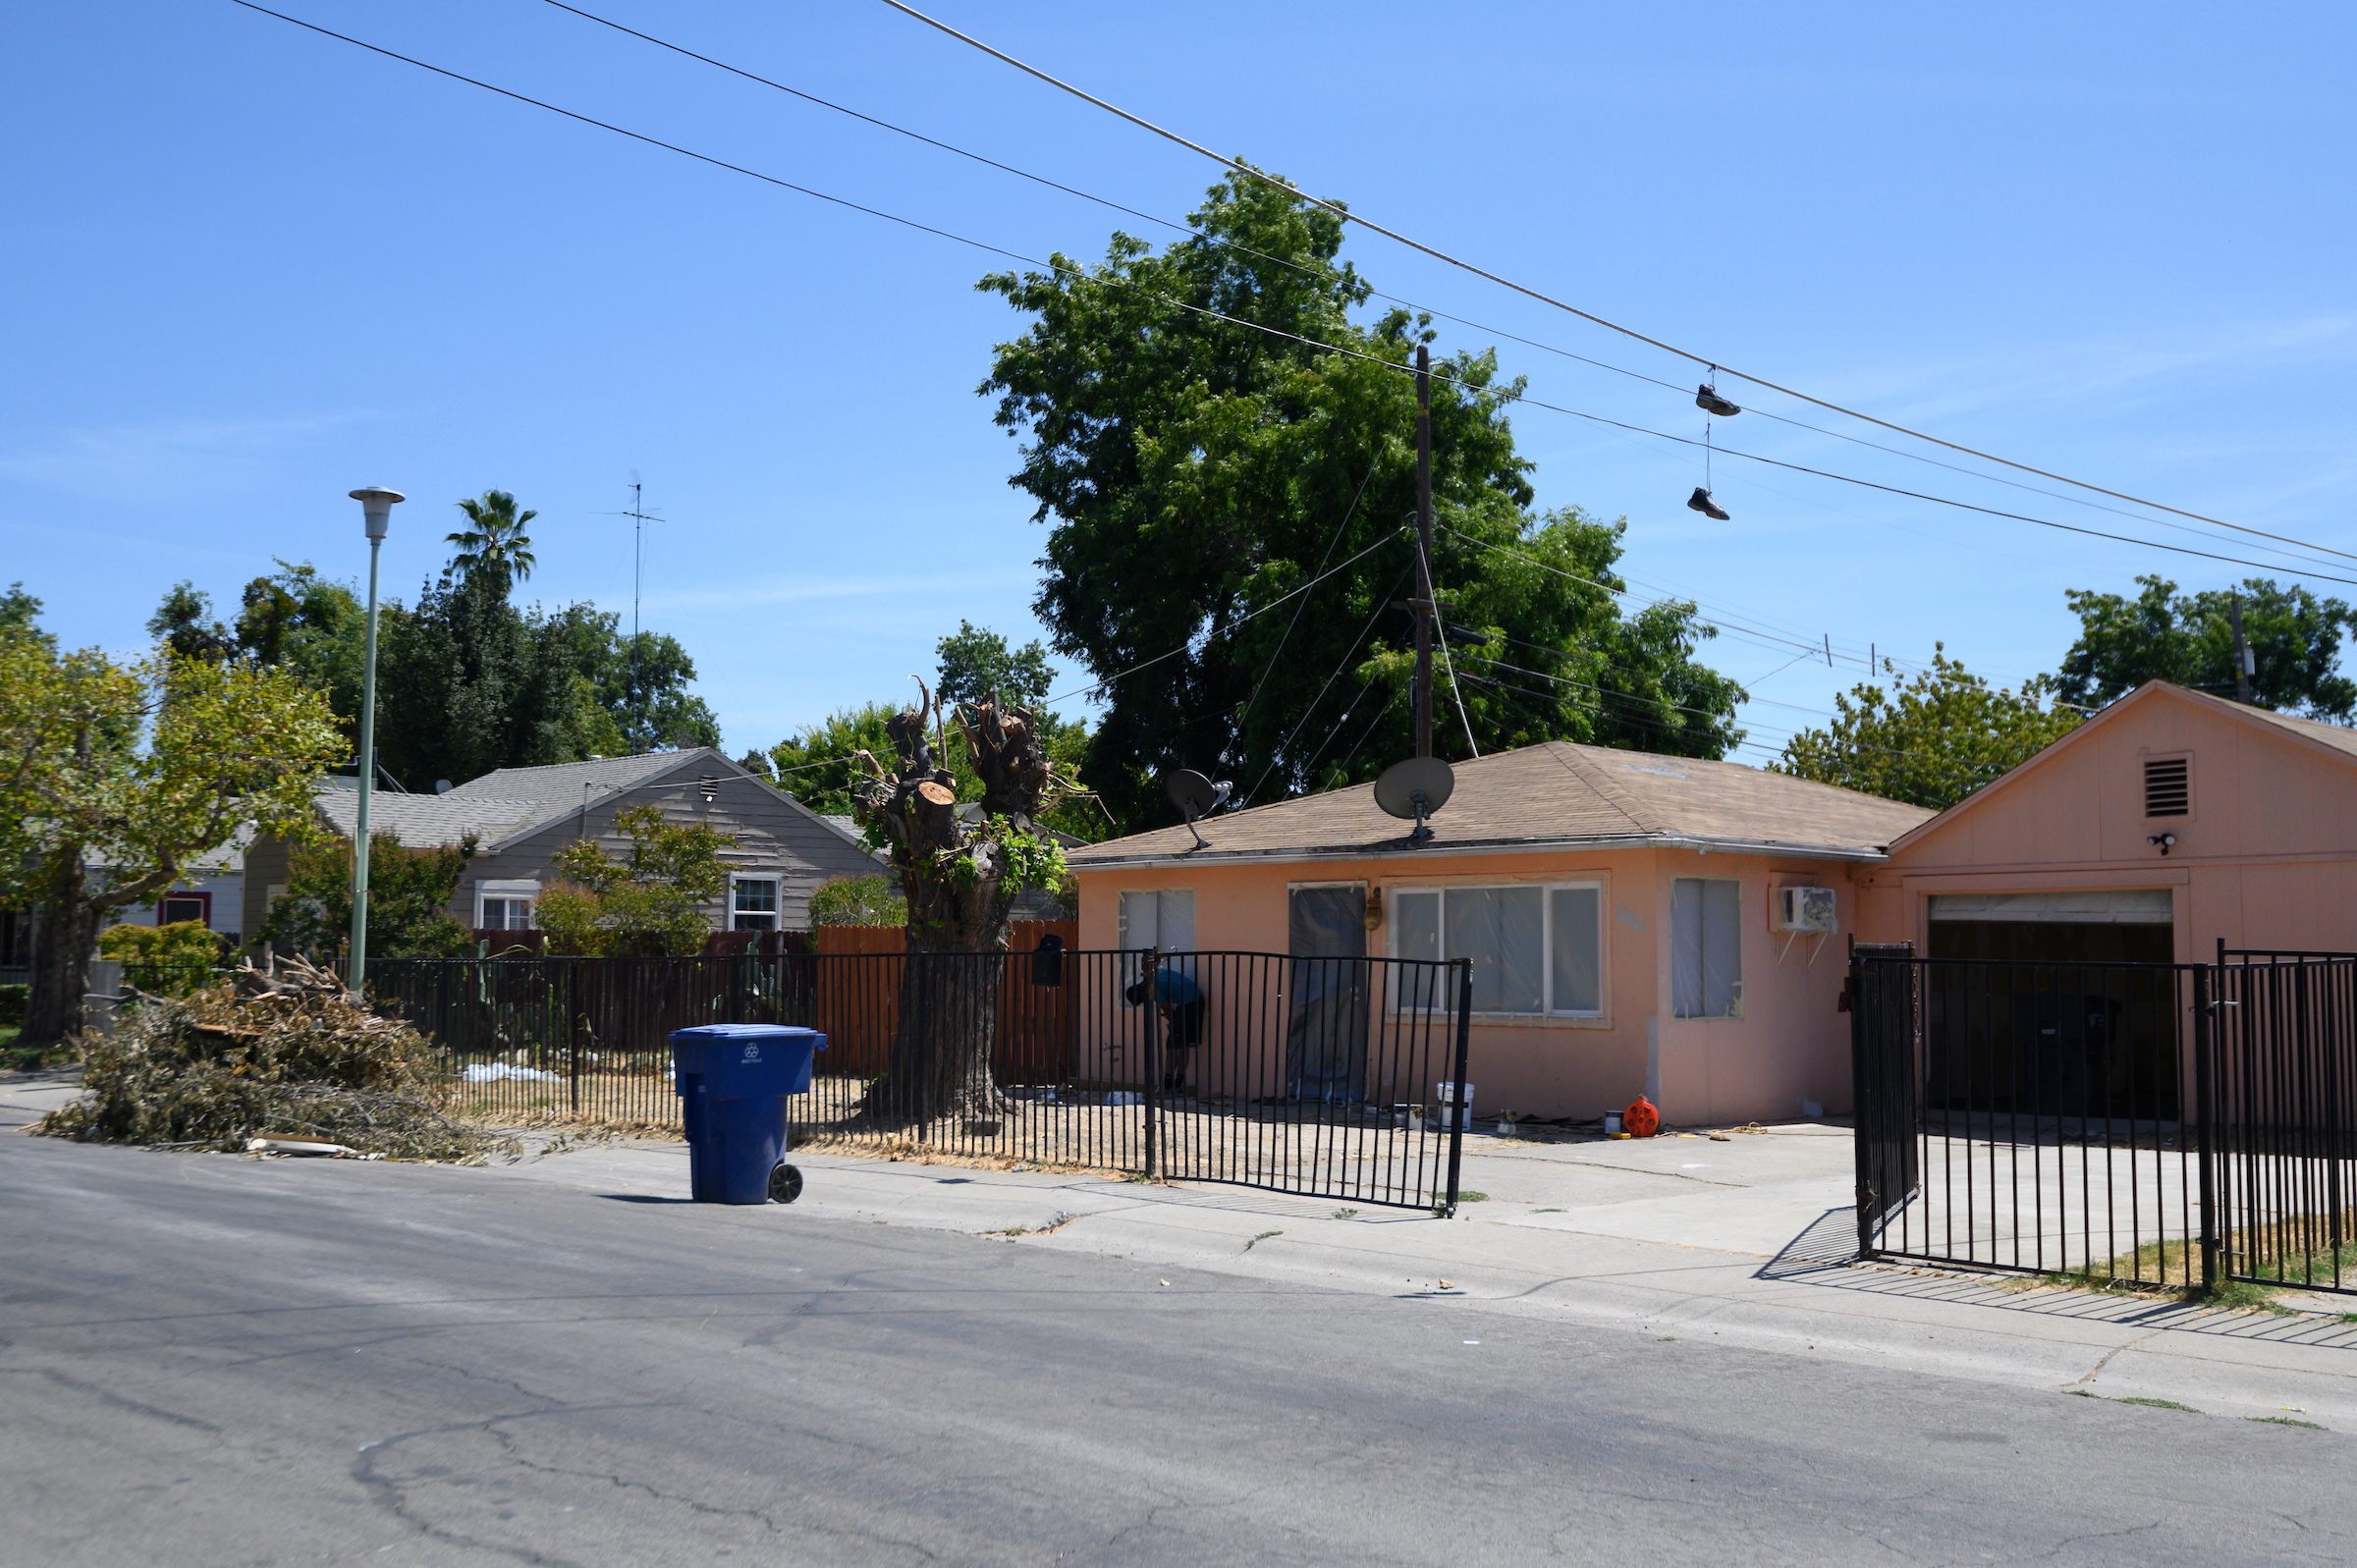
(976, 661)
(1194, 472)
(2295, 640)
(821, 769)
(466, 682)
(1929, 740)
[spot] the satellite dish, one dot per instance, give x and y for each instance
(1194, 796)
(1416, 788)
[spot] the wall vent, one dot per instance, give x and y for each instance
(2165, 790)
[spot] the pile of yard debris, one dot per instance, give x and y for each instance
(286, 1055)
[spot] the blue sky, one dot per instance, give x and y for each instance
(252, 267)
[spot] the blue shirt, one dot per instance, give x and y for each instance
(1173, 988)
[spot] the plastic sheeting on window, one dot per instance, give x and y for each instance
(1576, 937)
(1501, 928)
(1706, 948)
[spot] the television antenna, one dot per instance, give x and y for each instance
(1196, 796)
(1416, 788)
(640, 517)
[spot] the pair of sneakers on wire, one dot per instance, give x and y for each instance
(1707, 398)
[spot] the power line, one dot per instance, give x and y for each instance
(1278, 755)
(1230, 626)
(1321, 270)
(1201, 310)
(1711, 364)
(1348, 514)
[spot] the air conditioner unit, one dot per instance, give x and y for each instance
(1807, 911)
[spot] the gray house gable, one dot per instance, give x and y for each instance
(521, 817)
(777, 837)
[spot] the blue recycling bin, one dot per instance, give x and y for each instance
(732, 1080)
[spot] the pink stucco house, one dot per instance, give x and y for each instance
(2163, 824)
(1638, 923)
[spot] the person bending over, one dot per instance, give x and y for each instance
(1181, 1002)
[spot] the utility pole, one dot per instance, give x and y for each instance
(2242, 650)
(1424, 605)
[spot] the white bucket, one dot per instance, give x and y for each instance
(1611, 1122)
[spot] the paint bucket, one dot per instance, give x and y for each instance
(1612, 1125)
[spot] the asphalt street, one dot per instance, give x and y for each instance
(208, 1360)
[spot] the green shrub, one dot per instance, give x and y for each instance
(168, 960)
(859, 901)
(12, 1004)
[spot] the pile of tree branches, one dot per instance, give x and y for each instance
(287, 1055)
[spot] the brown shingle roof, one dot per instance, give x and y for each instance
(1550, 795)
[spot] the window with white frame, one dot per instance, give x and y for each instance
(1706, 948)
(504, 905)
(1537, 949)
(753, 903)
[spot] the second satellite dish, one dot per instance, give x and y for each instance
(1416, 788)
(1194, 796)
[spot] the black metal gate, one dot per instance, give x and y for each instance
(2171, 1124)
(1323, 1076)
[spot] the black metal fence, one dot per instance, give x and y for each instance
(2175, 1124)
(1312, 1075)
(2278, 1094)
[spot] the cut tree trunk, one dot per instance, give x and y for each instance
(954, 875)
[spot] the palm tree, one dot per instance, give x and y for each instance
(497, 543)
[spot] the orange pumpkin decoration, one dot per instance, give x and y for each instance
(1641, 1120)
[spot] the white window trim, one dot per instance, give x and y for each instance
(524, 887)
(777, 909)
(1600, 886)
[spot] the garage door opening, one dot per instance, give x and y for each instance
(2038, 1012)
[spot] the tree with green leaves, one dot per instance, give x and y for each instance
(466, 682)
(976, 664)
(115, 776)
(2295, 639)
(1932, 738)
(859, 901)
(294, 620)
(493, 544)
(639, 682)
(22, 612)
(409, 900)
(651, 902)
(1196, 473)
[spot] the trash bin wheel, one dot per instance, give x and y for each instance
(785, 1184)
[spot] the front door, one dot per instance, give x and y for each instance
(1327, 988)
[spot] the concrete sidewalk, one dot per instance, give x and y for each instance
(1748, 1243)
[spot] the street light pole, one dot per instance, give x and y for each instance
(376, 507)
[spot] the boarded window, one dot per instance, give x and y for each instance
(2166, 788)
(1706, 948)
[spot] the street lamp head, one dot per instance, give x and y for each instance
(376, 505)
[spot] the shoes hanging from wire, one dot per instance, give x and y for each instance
(1707, 398)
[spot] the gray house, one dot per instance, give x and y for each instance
(520, 817)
